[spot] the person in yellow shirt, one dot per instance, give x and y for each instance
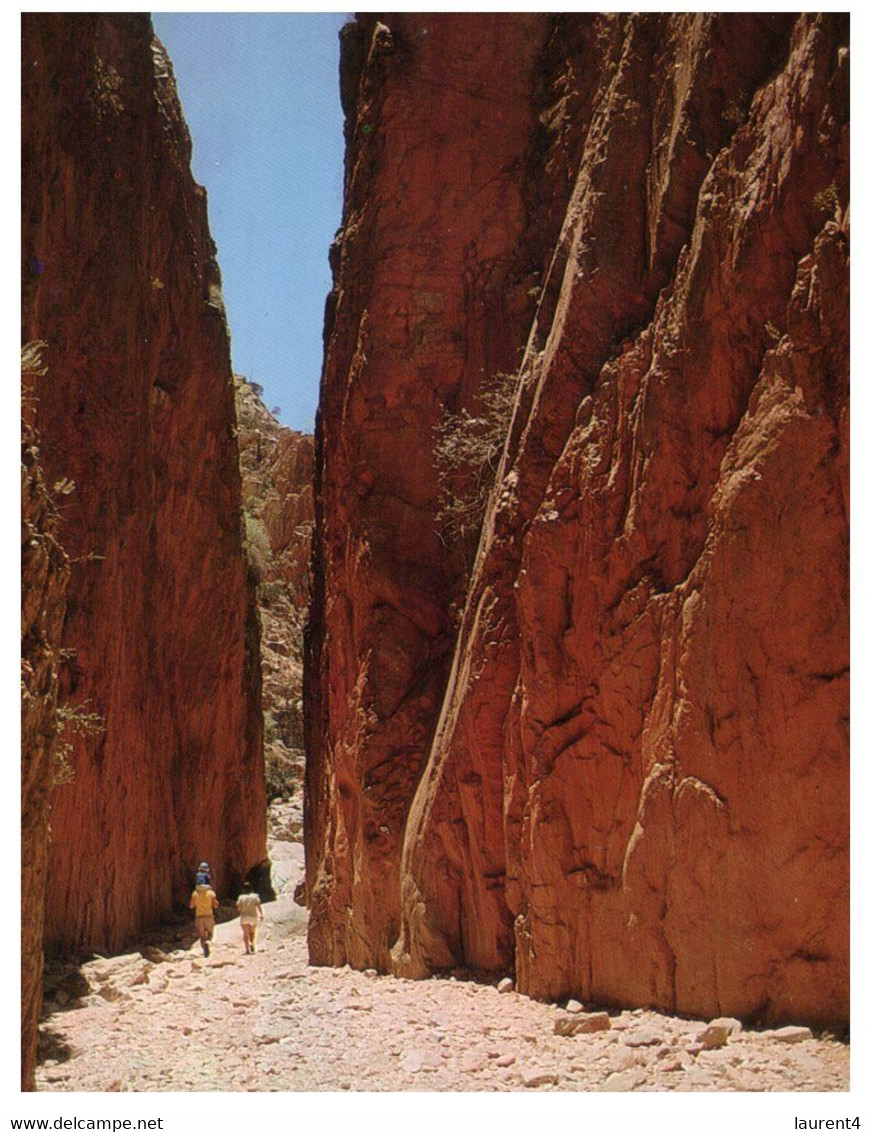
(204, 902)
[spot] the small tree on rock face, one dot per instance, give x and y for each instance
(467, 450)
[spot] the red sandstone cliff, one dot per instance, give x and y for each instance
(632, 784)
(433, 295)
(44, 577)
(121, 282)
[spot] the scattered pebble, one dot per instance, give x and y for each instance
(572, 1024)
(643, 1037)
(536, 1078)
(792, 1034)
(472, 1062)
(733, 1025)
(623, 1082)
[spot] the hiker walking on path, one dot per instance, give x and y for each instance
(250, 908)
(204, 902)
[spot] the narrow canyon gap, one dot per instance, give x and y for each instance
(614, 758)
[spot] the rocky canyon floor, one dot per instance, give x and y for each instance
(165, 1019)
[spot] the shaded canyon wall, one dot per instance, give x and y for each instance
(44, 578)
(137, 409)
(624, 773)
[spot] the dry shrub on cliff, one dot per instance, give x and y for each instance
(31, 358)
(32, 367)
(80, 722)
(105, 93)
(467, 451)
(828, 203)
(258, 546)
(66, 718)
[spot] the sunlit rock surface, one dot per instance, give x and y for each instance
(625, 775)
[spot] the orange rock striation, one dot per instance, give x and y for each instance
(137, 409)
(626, 774)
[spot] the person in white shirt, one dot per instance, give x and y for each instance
(250, 909)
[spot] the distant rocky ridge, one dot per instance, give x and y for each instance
(277, 465)
(622, 771)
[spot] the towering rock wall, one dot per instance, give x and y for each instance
(44, 577)
(637, 788)
(121, 282)
(433, 268)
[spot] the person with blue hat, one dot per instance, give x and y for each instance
(204, 902)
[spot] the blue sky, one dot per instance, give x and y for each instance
(260, 93)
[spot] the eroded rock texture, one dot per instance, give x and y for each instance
(137, 409)
(434, 270)
(277, 466)
(632, 783)
(44, 577)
